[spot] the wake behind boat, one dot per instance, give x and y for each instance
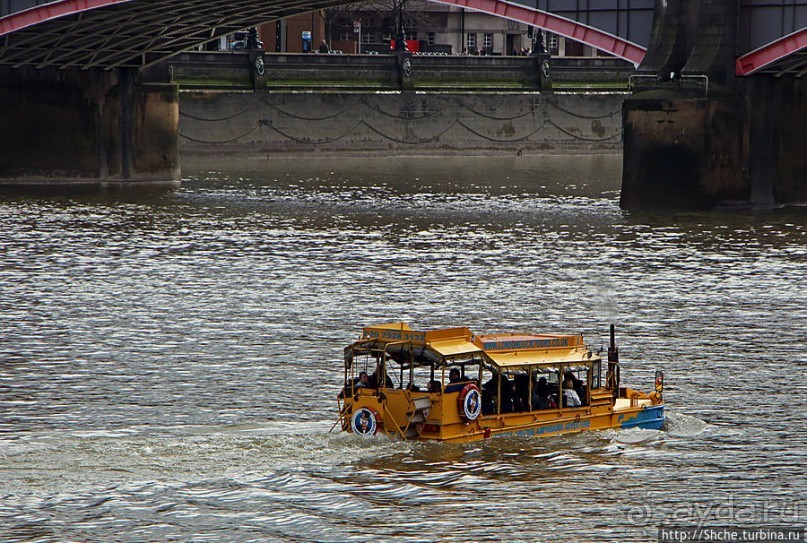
(453, 385)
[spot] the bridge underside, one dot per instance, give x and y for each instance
(109, 34)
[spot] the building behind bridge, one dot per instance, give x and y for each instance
(428, 27)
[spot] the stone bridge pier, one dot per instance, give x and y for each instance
(87, 126)
(697, 137)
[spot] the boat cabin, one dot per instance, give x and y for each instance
(451, 384)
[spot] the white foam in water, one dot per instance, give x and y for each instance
(681, 425)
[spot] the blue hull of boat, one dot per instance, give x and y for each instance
(651, 417)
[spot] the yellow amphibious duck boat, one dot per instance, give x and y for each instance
(454, 385)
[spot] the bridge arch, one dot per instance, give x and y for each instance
(42, 36)
(46, 12)
(774, 52)
(558, 25)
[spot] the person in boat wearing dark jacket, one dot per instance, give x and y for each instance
(362, 381)
(374, 381)
(540, 394)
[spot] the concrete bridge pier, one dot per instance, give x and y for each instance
(86, 126)
(777, 127)
(686, 151)
(685, 126)
(683, 152)
(695, 136)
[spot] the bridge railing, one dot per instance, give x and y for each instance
(296, 70)
(693, 84)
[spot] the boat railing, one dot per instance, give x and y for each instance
(342, 415)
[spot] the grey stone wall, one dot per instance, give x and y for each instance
(401, 123)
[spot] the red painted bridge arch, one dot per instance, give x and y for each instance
(792, 46)
(559, 25)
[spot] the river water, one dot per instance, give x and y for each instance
(169, 358)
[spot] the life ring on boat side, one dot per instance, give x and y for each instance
(364, 422)
(469, 402)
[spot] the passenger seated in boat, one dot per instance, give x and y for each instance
(455, 381)
(489, 396)
(578, 386)
(374, 381)
(521, 398)
(516, 400)
(540, 394)
(570, 397)
(412, 387)
(362, 381)
(506, 404)
(434, 386)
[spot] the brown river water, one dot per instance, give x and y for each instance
(170, 358)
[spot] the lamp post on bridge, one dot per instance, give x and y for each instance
(542, 57)
(538, 46)
(400, 35)
(402, 55)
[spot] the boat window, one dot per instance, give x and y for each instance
(519, 392)
(363, 363)
(554, 386)
(540, 392)
(489, 391)
(418, 378)
(508, 392)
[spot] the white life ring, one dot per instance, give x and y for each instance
(469, 402)
(364, 422)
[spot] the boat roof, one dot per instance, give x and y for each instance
(532, 358)
(504, 350)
